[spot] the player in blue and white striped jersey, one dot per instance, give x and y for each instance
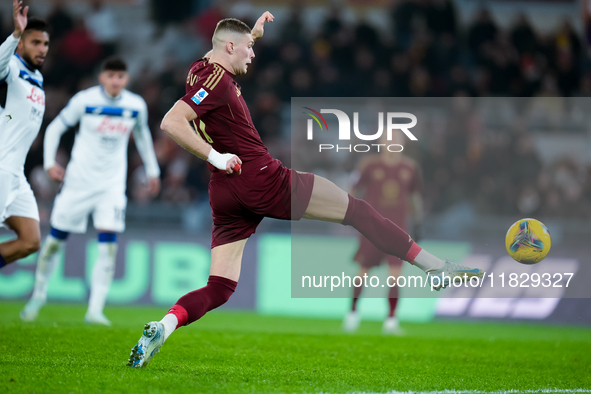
(20, 119)
(95, 178)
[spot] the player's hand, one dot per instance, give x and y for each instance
(154, 186)
(224, 161)
(56, 173)
(234, 165)
(20, 18)
(259, 28)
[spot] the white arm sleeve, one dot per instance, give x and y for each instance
(68, 117)
(145, 147)
(52, 141)
(6, 51)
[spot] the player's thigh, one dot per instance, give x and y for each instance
(226, 259)
(109, 214)
(328, 202)
(71, 209)
(22, 203)
(9, 186)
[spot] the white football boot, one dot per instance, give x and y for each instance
(31, 310)
(392, 327)
(96, 318)
(148, 345)
(449, 271)
(351, 322)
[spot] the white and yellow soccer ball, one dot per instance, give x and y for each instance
(528, 241)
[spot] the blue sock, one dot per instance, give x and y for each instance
(2, 261)
(107, 237)
(59, 234)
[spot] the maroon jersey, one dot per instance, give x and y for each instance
(223, 119)
(388, 186)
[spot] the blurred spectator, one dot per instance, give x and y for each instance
(404, 17)
(206, 22)
(293, 28)
(60, 20)
(523, 36)
(483, 31)
(102, 25)
(165, 12)
(441, 17)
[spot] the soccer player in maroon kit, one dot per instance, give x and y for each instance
(213, 117)
(391, 183)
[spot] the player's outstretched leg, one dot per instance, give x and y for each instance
(102, 276)
(225, 271)
(330, 203)
(27, 242)
(46, 263)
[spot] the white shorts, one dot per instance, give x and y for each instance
(73, 206)
(16, 197)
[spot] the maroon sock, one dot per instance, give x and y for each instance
(383, 233)
(192, 306)
(393, 300)
(356, 295)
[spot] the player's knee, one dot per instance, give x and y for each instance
(30, 246)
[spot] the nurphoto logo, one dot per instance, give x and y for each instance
(345, 130)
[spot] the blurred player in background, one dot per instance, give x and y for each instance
(20, 119)
(95, 179)
(391, 183)
(241, 196)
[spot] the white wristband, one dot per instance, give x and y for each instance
(219, 160)
(48, 164)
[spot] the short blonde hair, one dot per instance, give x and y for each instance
(232, 25)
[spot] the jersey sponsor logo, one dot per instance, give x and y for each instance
(213, 78)
(37, 96)
(238, 92)
(109, 126)
(199, 96)
(112, 111)
(36, 115)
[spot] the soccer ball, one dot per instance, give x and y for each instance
(528, 241)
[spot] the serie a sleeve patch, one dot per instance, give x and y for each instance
(199, 96)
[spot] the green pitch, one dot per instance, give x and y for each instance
(238, 352)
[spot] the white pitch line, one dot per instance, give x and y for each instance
(539, 391)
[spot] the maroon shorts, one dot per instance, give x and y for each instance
(265, 188)
(368, 256)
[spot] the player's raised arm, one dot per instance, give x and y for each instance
(259, 27)
(176, 124)
(145, 147)
(9, 46)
